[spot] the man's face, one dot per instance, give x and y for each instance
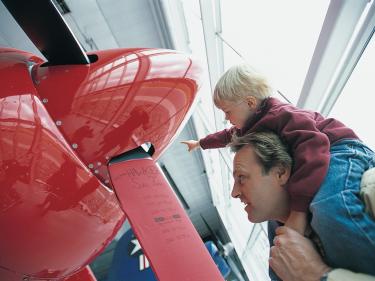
(264, 196)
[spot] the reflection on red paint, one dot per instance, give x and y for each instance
(51, 206)
(126, 98)
(59, 126)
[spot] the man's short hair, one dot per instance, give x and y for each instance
(270, 151)
(241, 81)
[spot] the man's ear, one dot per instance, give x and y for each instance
(283, 174)
(252, 102)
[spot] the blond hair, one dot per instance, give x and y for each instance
(241, 81)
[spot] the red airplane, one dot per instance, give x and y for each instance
(79, 136)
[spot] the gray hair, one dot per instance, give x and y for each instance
(241, 81)
(270, 151)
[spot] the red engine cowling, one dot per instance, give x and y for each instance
(59, 127)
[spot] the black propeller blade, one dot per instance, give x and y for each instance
(46, 28)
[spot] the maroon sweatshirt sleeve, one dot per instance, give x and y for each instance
(217, 140)
(311, 155)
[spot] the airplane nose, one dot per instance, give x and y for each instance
(152, 111)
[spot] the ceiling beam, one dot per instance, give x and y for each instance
(350, 59)
(338, 28)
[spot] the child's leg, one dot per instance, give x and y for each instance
(346, 231)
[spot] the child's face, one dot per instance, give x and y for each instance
(236, 113)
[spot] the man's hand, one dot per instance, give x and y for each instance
(294, 258)
(192, 144)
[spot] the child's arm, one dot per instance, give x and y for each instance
(192, 144)
(216, 140)
(297, 221)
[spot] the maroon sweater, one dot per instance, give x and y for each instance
(308, 135)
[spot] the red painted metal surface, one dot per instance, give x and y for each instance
(55, 215)
(83, 275)
(122, 100)
(59, 126)
(167, 236)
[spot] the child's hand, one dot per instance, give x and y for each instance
(192, 144)
(297, 221)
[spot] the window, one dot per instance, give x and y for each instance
(274, 38)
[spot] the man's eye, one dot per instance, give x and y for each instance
(240, 179)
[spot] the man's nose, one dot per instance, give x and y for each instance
(235, 191)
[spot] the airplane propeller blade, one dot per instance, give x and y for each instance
(46, 28)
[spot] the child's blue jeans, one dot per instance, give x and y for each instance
(346, 231)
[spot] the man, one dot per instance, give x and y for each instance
(261, 169)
